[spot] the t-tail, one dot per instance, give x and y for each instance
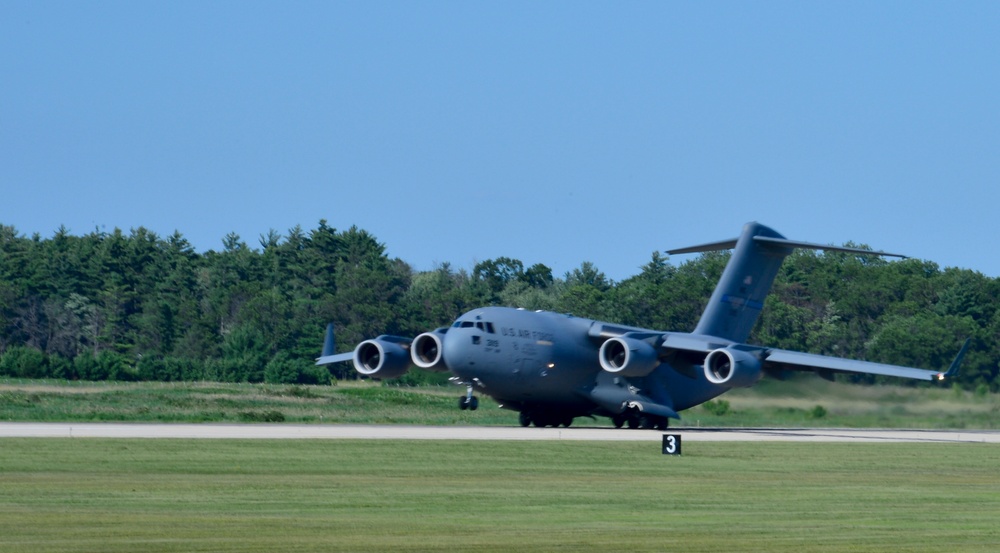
(736, 303)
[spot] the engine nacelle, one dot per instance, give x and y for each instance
(628, 357)
(427, 351)
(732, 368)
(382, 357)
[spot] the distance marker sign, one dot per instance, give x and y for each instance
(671, 444)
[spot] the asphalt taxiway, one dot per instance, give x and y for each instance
(407, 432)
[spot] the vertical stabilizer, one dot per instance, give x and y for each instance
(739, 297)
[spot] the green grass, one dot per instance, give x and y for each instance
(803, 402)
(798, 402)
(354, 402)
(246, 496)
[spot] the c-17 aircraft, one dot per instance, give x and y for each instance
(553, 367)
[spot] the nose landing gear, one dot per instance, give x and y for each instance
(468, 401)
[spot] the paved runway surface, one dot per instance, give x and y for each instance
(402, 432)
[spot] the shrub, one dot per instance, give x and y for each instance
(262, 416)
(115, 366)
(61, 367)
(23, 362)
(282, 369)
(86, 368)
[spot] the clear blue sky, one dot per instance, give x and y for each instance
(550, 132)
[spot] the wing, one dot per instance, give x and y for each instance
(330, 354)
(339, 358)
(778, 359)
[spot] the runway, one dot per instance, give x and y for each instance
(497, 433)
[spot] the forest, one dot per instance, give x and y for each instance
(138, 306)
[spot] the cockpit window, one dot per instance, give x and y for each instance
(486, 327)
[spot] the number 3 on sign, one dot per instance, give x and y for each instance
(671, 444)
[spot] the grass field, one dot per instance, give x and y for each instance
(246, 496)
(804, 402)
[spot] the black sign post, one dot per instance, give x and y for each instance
(671, 444)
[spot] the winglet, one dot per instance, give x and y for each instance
(330, 354)
(953, 369)
(329, 344)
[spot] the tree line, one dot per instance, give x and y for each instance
(138, 306)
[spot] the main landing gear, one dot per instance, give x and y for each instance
(637, 419)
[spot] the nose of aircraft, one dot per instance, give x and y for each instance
(471, 352)
(461, 346)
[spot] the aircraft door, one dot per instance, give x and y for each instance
(526, 365)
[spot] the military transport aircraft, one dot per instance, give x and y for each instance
(553, 367)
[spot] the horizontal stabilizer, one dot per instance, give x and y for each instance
(774, 241)
(710, 247)
(813, 246)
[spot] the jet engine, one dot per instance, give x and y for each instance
(427, 351)
(732, 368)
(382, 357)
(628, 356)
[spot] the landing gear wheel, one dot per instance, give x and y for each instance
(524, 419)
(619, 420)
(646, 422)
(468, 401)
(541, 420)
(633, 421)
(663, 423)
